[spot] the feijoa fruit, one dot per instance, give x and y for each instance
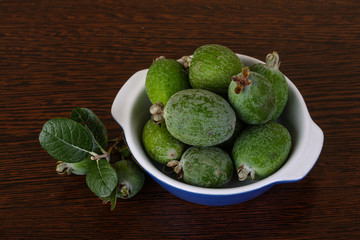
(159, 144)
(212, 66)
(204, 167)
(261, 150)
(270, 70)
(78, 168)
(197, 117)
(130, 178)
(164, 78)
(252, 97)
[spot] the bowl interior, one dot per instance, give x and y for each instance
(293, 118)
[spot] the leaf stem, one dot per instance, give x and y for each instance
(117, 140)
(105, 155)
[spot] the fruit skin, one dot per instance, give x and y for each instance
(271, 71)
(199, 117)
(164, 78)
(212, 67)
(261, 150)
(131, 178)
(159, 144)
(255, 103)
(206, 166)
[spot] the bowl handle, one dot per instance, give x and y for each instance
(122, 102)
(309, 154)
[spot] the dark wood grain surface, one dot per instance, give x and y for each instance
(57, 55)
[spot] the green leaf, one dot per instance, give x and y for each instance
(112, 199)
(89, 119)
(66, 140)
(125, 152)
(101, 178)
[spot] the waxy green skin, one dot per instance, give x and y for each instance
(272, 73)
(164, 78)
(262, 148)
(212, 67)
(256, 103)
(131, 178)
(206, 166)
(159, 144)
(199, 117)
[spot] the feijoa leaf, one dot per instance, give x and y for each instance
(89, 119)
(101, 178)
(66, 140)
(112, 199)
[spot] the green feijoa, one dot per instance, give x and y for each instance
(261, 150)
(130, 178)
(78, 168)
(198, 117)
(212, 66)
(271, 71)
(164, 78)
(204, 167)
(252, 97)
(159, 144)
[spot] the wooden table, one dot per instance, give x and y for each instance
(57, 55)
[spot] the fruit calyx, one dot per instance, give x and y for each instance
(185, 61)
(157, 112)
(272, 60)
(177, 167)
(63, 168)
(244, 171)
(159, 58)
(125, 190)
(242, 81)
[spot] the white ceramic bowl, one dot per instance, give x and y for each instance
(131, 110)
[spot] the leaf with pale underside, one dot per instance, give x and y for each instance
(89, 119)
(101, 178)
(66, 140)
